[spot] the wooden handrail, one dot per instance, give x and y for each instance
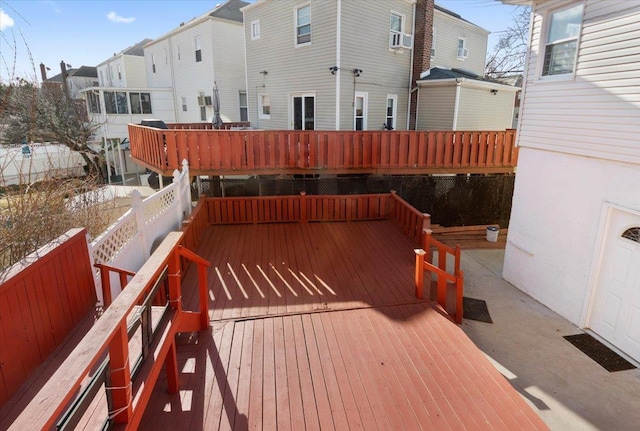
(109, 334)
(105, 278)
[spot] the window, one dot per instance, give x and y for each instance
(360, 112)
(93, 100)
(303, 112)
(203, 108)
(116, 102)
(153, 63)
(396, 28)
(632, 234)
(183, 100)
(303, 25)
(264, 101)
(101, 81)
(433, 43)
(255, 29)
(178, 50)
(119, 72)
(391, 111)
(198, 46)
(561, 47)
(463, 52)
(140, 103)
(244, 108)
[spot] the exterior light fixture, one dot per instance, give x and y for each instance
(333, 69)
(494, 91)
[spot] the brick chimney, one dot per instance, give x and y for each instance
(422, 40)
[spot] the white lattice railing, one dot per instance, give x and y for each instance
(128, 243)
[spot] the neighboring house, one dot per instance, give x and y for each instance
(191, 58)
(574, 235)
(452, 93)
(77, 80)
(452, 99)
(457, 43)
(328, 65)
(125, 69)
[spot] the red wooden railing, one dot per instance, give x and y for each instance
(105, 279)
(221, 152)
(207, 126)
(444, 279)
(109, 335)
(315, 208)
(42, 299)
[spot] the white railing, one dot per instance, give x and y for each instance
(129, 242)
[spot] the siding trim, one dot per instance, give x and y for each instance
(456, 107)
(338, 42)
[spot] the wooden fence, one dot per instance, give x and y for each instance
(222, 152)
(42, 299)
(318, 208)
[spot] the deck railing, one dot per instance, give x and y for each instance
(42, 299)
(222, 152)
(127, 398)
(208, 126)
(450, 301)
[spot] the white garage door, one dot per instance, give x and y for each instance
(616, 303)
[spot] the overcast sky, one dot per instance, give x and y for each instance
(89, 32)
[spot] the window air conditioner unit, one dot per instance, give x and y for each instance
(207, 101)
(407, 41)
(433, 52)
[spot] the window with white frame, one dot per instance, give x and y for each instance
(264, 101)
(396, 28)
(203, 108)
(153, 63)
(360, 111)
(198, 45)
(303, 25)
(183, 100)
(463, 52)
(140, 103)
(119, 72)
(255, 29)
(433, 43)
(178, 50)
(116, 102)
(93, 101)
(391, 111)
(561, 47)
(244, 107)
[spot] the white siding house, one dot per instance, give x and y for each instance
(191, 58)
(574, 234)
(315, 65)
(125, 69)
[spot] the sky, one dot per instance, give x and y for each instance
(89, 32)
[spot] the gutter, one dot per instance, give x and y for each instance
(456, 105)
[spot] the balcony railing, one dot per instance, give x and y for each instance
(265, 152)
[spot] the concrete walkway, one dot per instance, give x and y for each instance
(564, 386)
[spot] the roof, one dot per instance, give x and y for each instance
(439, 74)
(455, 15)
(229, 10)
(137, 49)
(82, 72)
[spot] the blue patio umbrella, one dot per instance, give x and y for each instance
(217, 120)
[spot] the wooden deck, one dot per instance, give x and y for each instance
(316, 326)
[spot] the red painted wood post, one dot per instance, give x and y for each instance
(456, 254)
(303, 207)
(441, 292)
(426, 244)
(123, 280)
(120, 378)
(426, 221)
(393, 205)
(105, 280)
(459, 296)
(204, 297)
(419, 274)
(171, 366)
(175, 294)
(442, 258)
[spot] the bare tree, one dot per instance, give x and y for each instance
(508, 55)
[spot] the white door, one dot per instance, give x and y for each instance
(615, 312)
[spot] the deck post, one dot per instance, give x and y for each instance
(175, 295)
(204, 298)
(426, 244)
(426, 221)
(171, 365)
(459, 296)
(456, 254)
(120, 376)
(105, 280)
(303, 207)
(419, 274)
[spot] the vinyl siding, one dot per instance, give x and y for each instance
(435, 107)
(448, 30)
(385, 71)
(162, 76)
(481, 110)
(306, 69)
(134, 71)
(596, 112)
(291, 69)
(228, 54)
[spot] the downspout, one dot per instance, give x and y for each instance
(456, 104)
(173, 83)
(213, 59)
(246, 72)
(413, 50)
(338, 40)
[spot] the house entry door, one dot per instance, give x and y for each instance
(615, 310)
(304, 112)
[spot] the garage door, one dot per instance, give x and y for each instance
(616, 303)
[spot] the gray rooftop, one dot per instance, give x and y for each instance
(230, 10)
